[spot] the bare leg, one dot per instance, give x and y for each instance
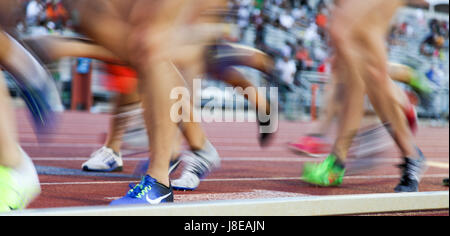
(9, 153)
(119, 121)
(157, 116)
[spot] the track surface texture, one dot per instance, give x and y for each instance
(247, 172)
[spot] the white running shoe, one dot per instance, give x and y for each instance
(104, 160)
(199, 164)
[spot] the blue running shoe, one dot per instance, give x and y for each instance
(148, 192)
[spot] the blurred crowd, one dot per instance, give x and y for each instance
(49, 15)
(310, 51)
(307, 51)
(302, 23)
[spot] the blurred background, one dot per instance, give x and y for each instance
(292, 31)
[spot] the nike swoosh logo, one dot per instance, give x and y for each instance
(157, 200)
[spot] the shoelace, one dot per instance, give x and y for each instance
(137, 191)
(405, 179)
(411, 171)
(105, 154)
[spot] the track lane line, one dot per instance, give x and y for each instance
(241, 179)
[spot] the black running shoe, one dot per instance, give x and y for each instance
(412, 171)
(265, 139)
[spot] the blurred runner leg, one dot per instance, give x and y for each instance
(363, 63)
(19, 183)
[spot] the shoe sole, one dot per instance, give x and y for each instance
(117, 169)
(183, 189)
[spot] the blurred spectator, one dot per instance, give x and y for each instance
(287, 70)
(34, 12)
(304, 61)
(259, 4)
(322, 15)
(243, 16)
(434, 42)
(286, 20)
(260, 30)
(311, 35)
(56, 14)
(287, 50)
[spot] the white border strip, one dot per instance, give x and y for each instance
(302, 206)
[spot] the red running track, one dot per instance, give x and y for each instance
(247, 172)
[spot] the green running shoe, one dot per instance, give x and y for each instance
(324, 174)
(423, 89)
(19, 186)
(420, 84)
(10, 193)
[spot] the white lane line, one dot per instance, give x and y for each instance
(255, 158)
(242, 179)
(255, 147)
(441, 165)
(434, 163)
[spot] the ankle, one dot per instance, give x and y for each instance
(161, 178)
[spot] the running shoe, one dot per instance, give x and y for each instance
(266, 133)
(325, 174)
(199, 164)
(412, 171)
(104, 160)
(147, 192)
(420, 85)
(265, 138)
(18, 187)
(314, 146)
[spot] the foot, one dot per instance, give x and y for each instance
(420, 85)
(326, 173)
(265, 138)
(314, 146)
(148, 192)
(412, 171)
(19, 186)
(104, 160)
(199, 164)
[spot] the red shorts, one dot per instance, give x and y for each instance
(121, 79)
